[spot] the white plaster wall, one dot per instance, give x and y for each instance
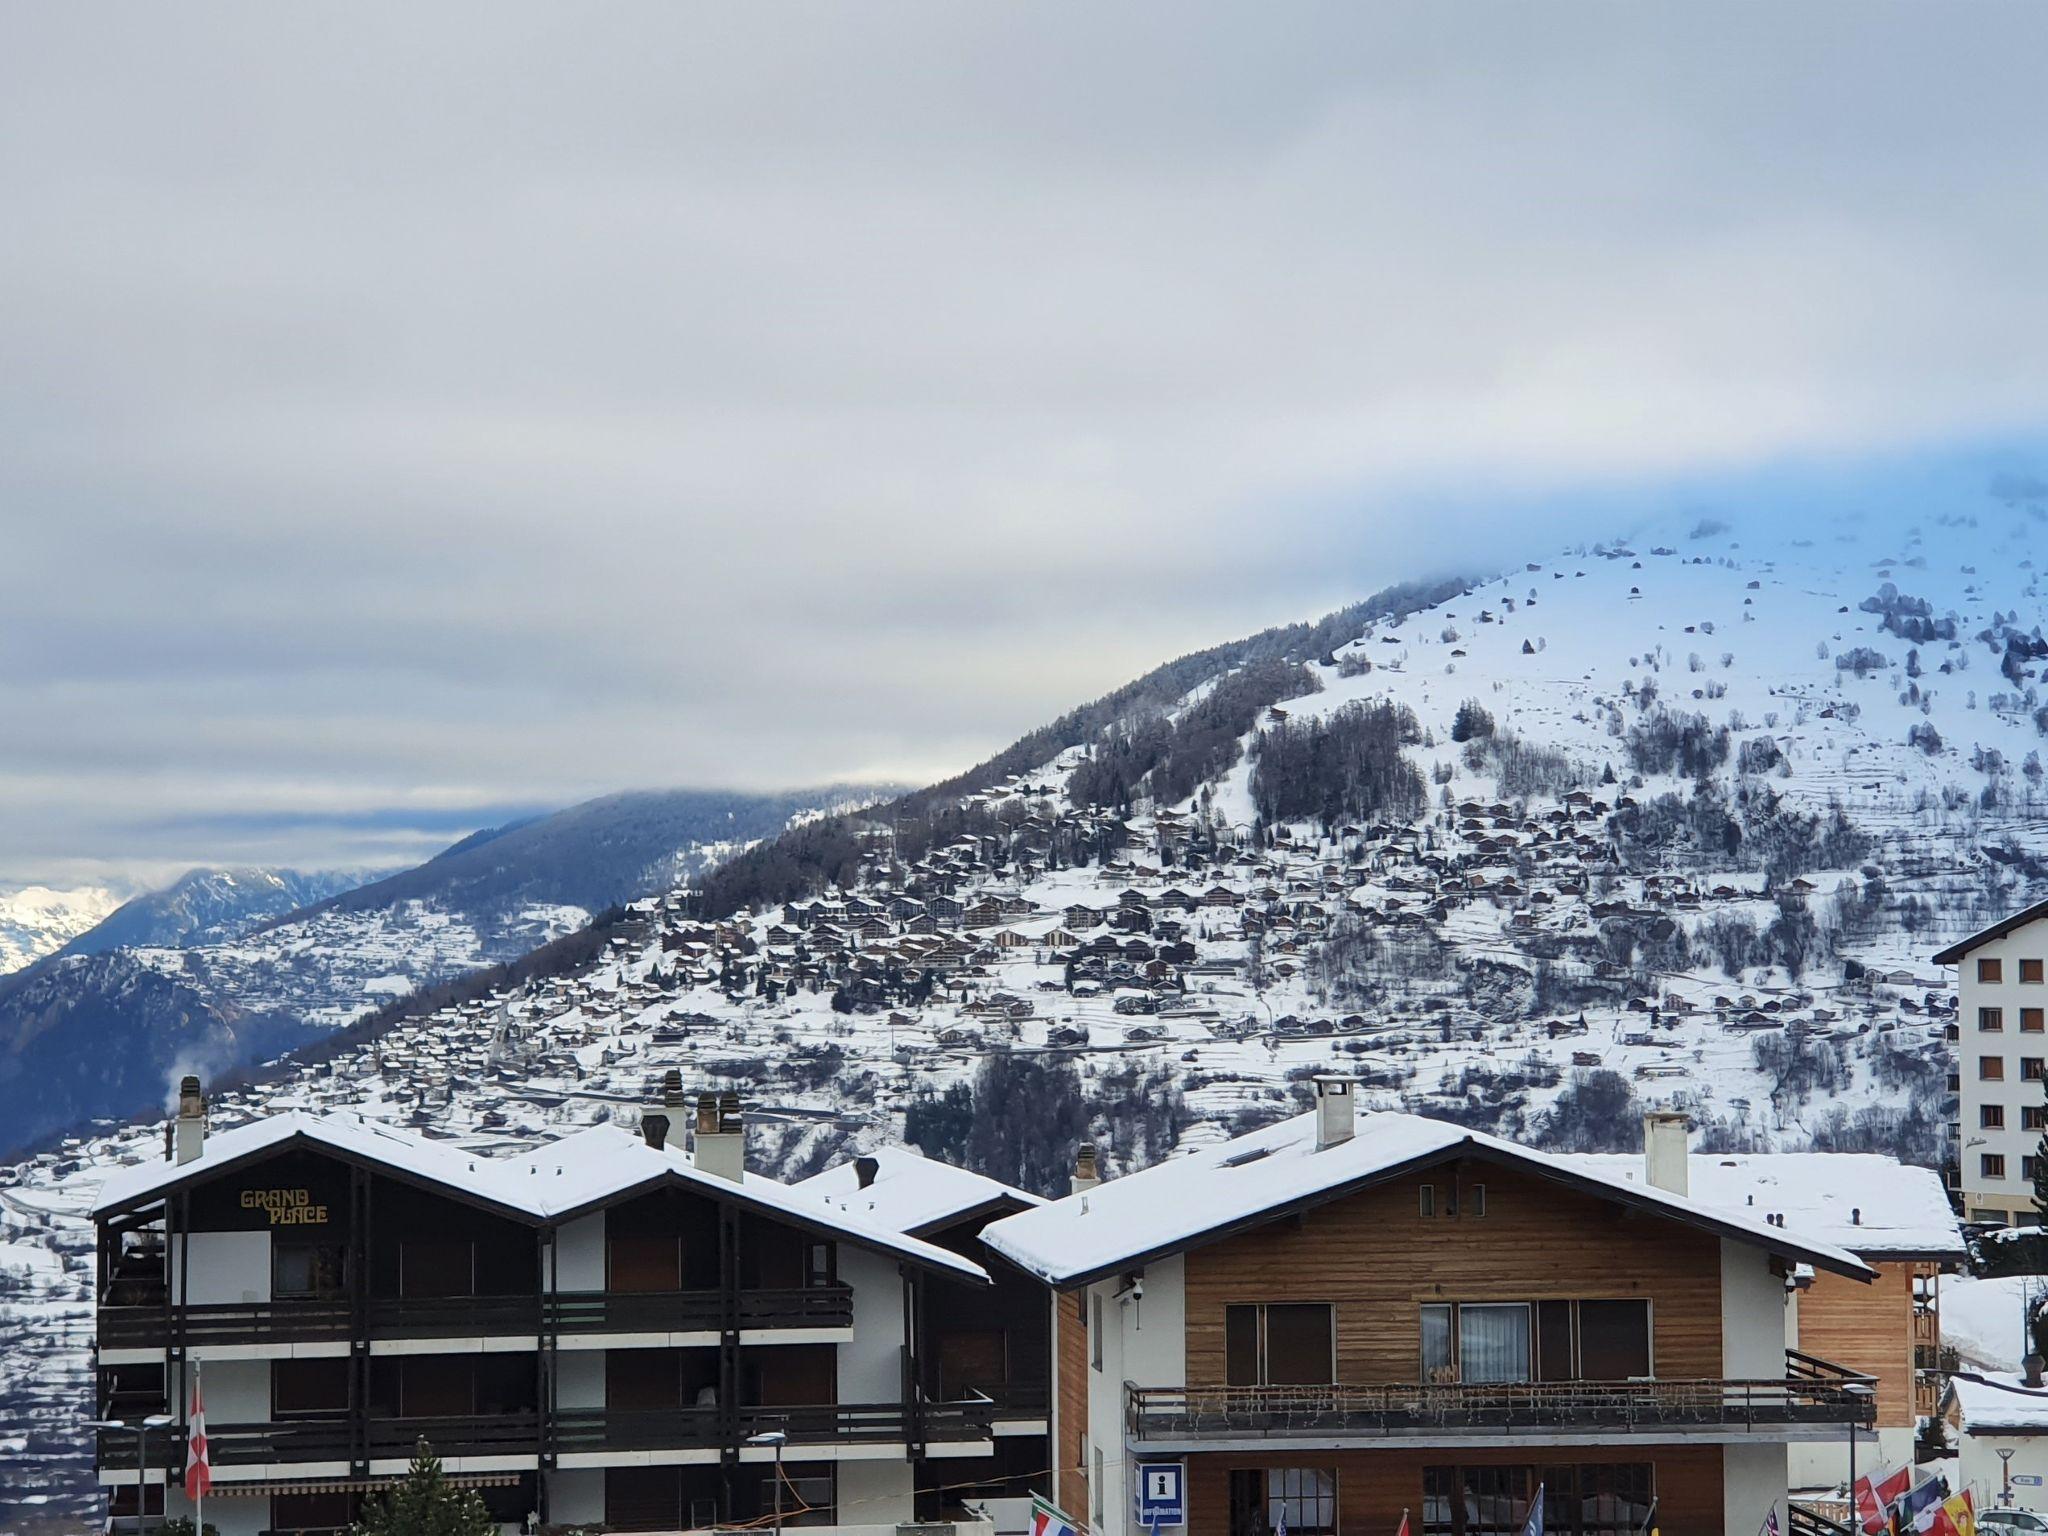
(1756, 1324)
(1984, 1475)
(1154, 1330)
(1825, 1463)
(575, 1496)
(1753, 1481)
(1106, 1404)
(875, 1492)
(871, 1363)
(579, 1254)
(579, 1378)
(225, 1266)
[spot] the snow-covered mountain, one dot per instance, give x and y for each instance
(1676, 819)
(36, 920)
(210, 906)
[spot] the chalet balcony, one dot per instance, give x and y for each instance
(588, 1430)
(317, 1319)
(1813, 1400)
(284, 1442)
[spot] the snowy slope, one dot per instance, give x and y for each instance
(37, 921)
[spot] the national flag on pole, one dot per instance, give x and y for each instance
(1917, 1504)
(1955, 1516)
(1047, 1519)
(1770, 1525)
(1876, 1495)
(1533, 1526)
(1402, 1528)
(198, 1471)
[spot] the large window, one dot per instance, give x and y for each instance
(1578, 1500)
(1300, 1500)
(1564, 1340)
(1279, 1344)
(312, 1388)
(1990, 970)
(307, 1269)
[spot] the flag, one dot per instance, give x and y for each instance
(198, 1471)
(1402, 1528)
(1770, 1525)
(1047, 1519)
(1916, 1506)
(1533, 1526)
(1955, 1516)
(1876, 1495)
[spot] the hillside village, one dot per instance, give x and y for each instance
(1584, 899)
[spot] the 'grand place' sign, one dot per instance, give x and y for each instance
(285, 1207)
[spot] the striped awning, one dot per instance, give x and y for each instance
(358, 1484)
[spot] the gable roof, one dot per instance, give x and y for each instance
(1955, 953)
(914, 1193)
(550, 1183)
(1230, 1187)
(1998, 1405)
(1874, 1206)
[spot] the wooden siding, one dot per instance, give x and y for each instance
(1867, 1328)
(1374, 1487)
(1377, 1259)
(1070, 1361)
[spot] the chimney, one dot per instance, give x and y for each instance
(2032, 1367)
(1085, 1176)
(1664, 1151)
(1334, 1121)
(188, 1134)
(721, 1141)
(865, 1169)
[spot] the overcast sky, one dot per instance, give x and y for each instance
(413, 414)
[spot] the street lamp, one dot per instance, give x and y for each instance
(142, 1427)
(1857, 1391)
(2005, 1454)
(778, 1439)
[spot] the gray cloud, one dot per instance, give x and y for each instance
(481, 405)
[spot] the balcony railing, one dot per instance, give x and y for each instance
(314, 1319)
(1806, 1395)
(331, 1439)
(696, 1428)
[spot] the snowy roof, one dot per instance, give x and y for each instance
(912, 1192)
(1233, 1185)
(548, 1183)
(1999, 1405)
(1954, 954)
(1873, 1205)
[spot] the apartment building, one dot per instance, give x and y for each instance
(607, 1329)
(1344, 1318)
(2001, 1064)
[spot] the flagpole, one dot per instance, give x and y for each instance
(198, 1503)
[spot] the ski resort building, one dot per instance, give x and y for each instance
(2001, 1064)
(606, 1330)
(1344, 1318)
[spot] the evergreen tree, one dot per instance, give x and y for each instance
(426, 1504)
(2041, 1168)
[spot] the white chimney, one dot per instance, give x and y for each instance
(721, 1140)
(1086, 1175)
(1334, 1121)
(1664, 1151)
(188, 1135)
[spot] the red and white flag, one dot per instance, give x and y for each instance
(198, 1471)
(1402, 1528)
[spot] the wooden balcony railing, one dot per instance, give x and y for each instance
(314, 1319)
(331, 1439)
(1810, 1393)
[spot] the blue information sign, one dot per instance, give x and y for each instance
(1162, 1498)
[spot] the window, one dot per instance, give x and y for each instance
(1578, 1500)
(1990, 970)
(1429, 1200)
(1493, 1342)
(1301, 1500)
(1597, 1340)
(1990, 1020)
(2034, 1117)
(2031, 1068)
(1475, 1200)
(2030, 973)
(1284, 1344)
(308, 1388)
(2030, 1021)
(2029, 1167)
(306, 1269)
(1095, 1489)
(1991, 1117)
(1991, 1069)
(1095, 1330)
(1614, 1340)
(1992, 1165)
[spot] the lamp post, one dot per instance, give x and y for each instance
(2005, 1454)
(778, 1439)
(1858, 1392)
(142, 1427)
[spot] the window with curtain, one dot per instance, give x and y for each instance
(1437, 1361)
(1304, 1499)
(1493, 1342)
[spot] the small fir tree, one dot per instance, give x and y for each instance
(426, 1504)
